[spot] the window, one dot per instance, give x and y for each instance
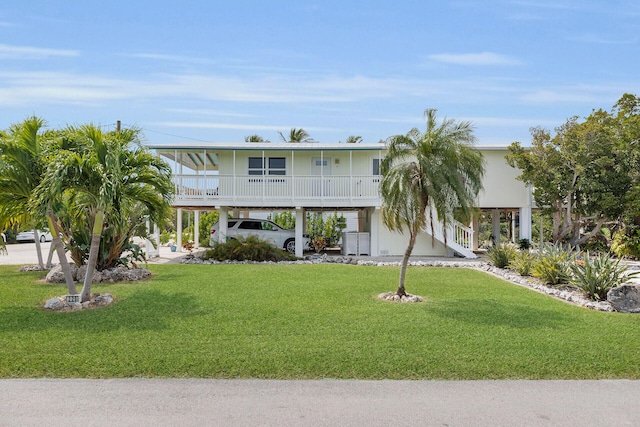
(376, 167)
(275, 166)
(256, 166)
(249, 225)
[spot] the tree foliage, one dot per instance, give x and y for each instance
(586, 174)
(296, 135)
(429, 176)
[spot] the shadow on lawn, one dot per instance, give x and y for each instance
(145, 309)
(493, 312)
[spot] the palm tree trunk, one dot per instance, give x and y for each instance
(405, 262)
(62, 256)
(50, 257)
(93, 255)
(36, 239)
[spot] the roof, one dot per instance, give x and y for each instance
(287, 146)
(271, 146)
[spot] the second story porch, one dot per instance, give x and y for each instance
(310, 175)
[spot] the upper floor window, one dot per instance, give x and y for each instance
(256, 166)
(267, 166)
(277, 166)
(376, 167)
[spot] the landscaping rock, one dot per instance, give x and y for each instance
(117, 274)
(392, 296)
(55, 275)
(82, 272)
(625, 298)
(54, 303)
(60, 303)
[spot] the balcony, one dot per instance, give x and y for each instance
(276, 191)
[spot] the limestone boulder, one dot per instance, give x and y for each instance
(55, 275)
(625, 298)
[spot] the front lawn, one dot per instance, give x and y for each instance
(311, 321)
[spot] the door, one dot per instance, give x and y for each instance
(321, 167)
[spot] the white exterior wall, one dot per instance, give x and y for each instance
(343, 163)
(392, 243)
(501, 188)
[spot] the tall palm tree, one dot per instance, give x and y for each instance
(436, 173)
(254, 138)
(107, 180)
(354, 139)
(296, 135)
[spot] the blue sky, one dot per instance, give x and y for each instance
(221, 70)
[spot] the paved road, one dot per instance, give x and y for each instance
(25, 254)
(142, 402)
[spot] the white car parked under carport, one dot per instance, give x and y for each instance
(27, 236)
(264, 229)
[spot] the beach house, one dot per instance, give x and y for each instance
(239, 178)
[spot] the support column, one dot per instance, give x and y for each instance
(475, 226)
(223, 224)
(513, 227)
(299, 232)
(525, 223)
(375, 232)
(495, 228)
(179, 229)
(196, 229)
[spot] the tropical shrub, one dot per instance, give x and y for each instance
(598, 275)
(250, 248)
(524, 244)
(315, 225)
(207, 220)
(522, 263)
(626, 242)
(333, 227)
(286, 220)
(501, 255)
(553, 264)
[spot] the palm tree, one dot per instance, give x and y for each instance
(436, 172)
(254, 138)
(296, 135)
(21, 169)
(354, 139)
(110, 182)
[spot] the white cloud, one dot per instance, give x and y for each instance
(171, 58)
(30, 52)
(236, 126)
(483, 58)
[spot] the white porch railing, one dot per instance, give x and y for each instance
(255, 189)
(459, 237)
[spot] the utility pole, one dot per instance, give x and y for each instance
(118, 126)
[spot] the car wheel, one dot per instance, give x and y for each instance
(43, 239)
(290, 246)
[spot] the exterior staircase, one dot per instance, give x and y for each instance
(459, 238)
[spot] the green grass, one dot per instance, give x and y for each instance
(311, 321)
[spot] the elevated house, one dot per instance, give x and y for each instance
(236, 178)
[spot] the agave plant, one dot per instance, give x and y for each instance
(598, 275)
(553, 264)
(501, 255)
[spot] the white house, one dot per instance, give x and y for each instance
(241, 177)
